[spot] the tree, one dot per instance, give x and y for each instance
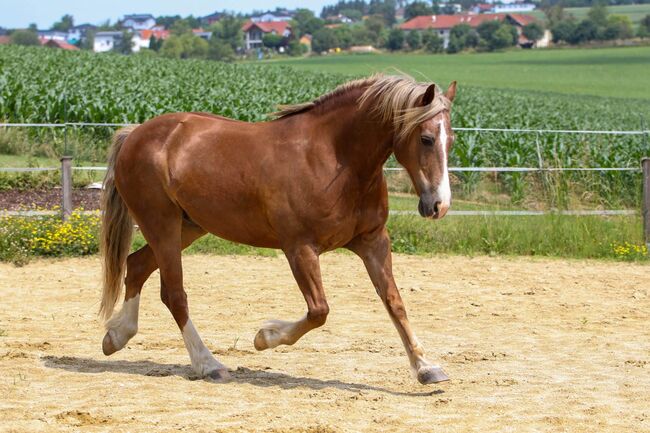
(533, 32)
(125, 44)
(354, 14)
(432, 42)
(272, 41)
(416, 9)
(555, 14)
(24, 37)
(181, 27)
(88, 42)
(496, 35)
(385, 8)
(323, 40)
(462, 36)
(618, 27)
(167, 21)
(375, 26)
(220, 50)
(295, 48)
(228, 30)
(644, 27)
(598, 14)
(185, 47)
(585, 31)
(66, 23)
(395, 39)
(414, 39)
(562, 31)
(344, 36)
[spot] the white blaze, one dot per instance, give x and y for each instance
(444, 190)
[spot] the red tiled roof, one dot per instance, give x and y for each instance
(158, 34)
(268, 26)
(440, 22)
(522, 20)
(4, 40)
(58, 44)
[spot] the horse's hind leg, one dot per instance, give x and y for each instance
(140, 265)
(306, 270)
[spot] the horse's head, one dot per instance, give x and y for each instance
(425, 151)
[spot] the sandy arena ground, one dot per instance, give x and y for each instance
(530, 345)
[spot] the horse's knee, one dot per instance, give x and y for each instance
(318, 315)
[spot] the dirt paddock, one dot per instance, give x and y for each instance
(530, 345)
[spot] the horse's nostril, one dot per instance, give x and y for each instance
(436, 207)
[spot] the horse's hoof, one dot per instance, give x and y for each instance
(265, 339)
(221, 375)
(107, 345)
(428, 375)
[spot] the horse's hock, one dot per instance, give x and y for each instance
(530, 345)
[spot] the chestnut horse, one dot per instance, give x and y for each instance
(307, 182)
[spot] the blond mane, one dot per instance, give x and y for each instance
(395, 99)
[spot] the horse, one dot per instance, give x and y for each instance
(307, 181)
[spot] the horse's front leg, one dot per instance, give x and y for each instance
(306, 270)
(374, 250)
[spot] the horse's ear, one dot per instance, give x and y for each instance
(428, 96)
(451, 91)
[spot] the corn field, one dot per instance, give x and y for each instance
(43, 86)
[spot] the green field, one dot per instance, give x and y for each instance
(612, 72)
(634, 12)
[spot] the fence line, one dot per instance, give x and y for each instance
(606, 212)
(389, 169)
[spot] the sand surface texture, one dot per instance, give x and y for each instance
(530, 345)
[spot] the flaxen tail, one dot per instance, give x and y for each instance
(117, 231)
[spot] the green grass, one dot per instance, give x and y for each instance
(614, 72)
(547, 235)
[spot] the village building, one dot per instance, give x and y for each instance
(106, 41)
(254, 32)
(442, 24)
(277, 16)
(79, 33)
(52, 35)
(139, 22)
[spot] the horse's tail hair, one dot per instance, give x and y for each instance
(116, 232)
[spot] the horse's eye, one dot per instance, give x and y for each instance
(426, 140)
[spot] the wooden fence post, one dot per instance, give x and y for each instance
(645, 163)
(66, 184)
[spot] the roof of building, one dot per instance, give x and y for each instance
(278, 27)
(139, 17)
(448, 21)
(158, 34)
(58, 44)
(113, 33)
(4, 40)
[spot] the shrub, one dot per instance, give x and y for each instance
(24, 237)
(25, 37)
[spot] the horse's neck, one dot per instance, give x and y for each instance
(359, 138)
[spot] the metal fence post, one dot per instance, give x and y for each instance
(66, 184)
(645, 163)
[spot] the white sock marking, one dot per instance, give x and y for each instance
(202, 360)
(124, 325)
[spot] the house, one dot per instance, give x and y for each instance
(142, 38)
(78, 33)
(202, 34)
(53, 43)
(5, 40)
(277, 16)
(442, 24)
(339, 18)
(106, 41)
(255, 31)
(49, 35)
(513, 8)
(212, 18)
(306, 41)
(138, 21)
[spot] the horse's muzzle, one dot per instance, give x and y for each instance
(430, 207)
